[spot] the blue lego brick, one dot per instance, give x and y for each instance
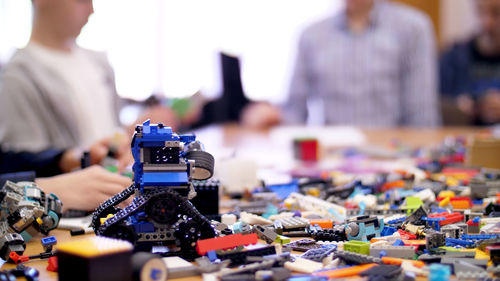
(51, 240)
(398, 242)
(477, 202)
(401, 219)
(187, 138)
(165, 179)
(284, 190)
(460, 242)
(478, 236)
(212, 255)
(387, 231)
(144, 227)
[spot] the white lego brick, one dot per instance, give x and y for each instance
(281, 216)
(407, 266)
(228, 219)
(427, 195)
(310, 203)
(301, 265)
(253, 219)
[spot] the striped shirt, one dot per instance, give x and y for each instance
(384, 76)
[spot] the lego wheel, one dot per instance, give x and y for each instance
(187, 233)
(204, 164)
(162, 210)
(121, 232)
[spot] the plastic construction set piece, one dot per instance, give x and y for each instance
(383, 270)
(355, 258)
(160, 214)
(225, 242)
(363, 227)
(359, 247)
(335, 234)
(303, 245)
(253, 219)
(239, 258)
(402, 252)
(294, 223)
(345, 272)
(318, 254)
(25, 210)
(302, 265)
(435, 240)
(438, 220)
(310, 203)
(265, 233)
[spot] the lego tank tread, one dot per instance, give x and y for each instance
(111, 202)
(184, 208)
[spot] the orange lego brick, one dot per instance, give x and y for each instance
(345, 272)
(393, 184)
(396, 261)
(323, 223)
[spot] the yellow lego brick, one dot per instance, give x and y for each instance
(481, 255)
(39, 221)
(444, 202)
(95, 246)
(446, 193)
(107, 217)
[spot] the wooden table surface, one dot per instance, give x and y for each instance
(232, 135)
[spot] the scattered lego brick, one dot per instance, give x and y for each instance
(303, 245)
(301, 265)
(402, 252)
(357, 247)
(253, 219)
(225, 242)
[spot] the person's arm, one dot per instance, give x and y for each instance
(44, 164)
(419, 100)
(300, 86)
(84, 189)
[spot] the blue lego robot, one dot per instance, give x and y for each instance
(160, 214)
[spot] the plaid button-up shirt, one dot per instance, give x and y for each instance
(384, 76)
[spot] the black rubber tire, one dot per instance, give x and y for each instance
(204, 164)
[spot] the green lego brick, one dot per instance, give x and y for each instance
(359, 247)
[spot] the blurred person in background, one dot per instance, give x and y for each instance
(58, 97)
(373, 64)
(470, 71)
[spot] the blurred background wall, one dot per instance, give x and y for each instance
(170, 47)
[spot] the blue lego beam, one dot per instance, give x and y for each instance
(165, 179)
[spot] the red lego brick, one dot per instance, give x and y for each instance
(16, 258)
(306, 149)
(52, 266)
(406, 235)
(448, 218)
(225, 242)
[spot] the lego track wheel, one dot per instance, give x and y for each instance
(204, 164)
(162, 210)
